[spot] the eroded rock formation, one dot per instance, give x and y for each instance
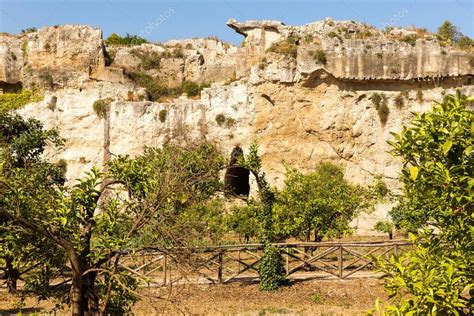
(303, 91)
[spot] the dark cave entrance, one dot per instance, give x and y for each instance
(236, 178)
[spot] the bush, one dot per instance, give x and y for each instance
(13, 101)
(399, 101)
(286, 47)
(379, 100)
(155, 89)
(191, 88)
(148, 59)
(128, 40)
(419, 95)
(465, 43)
(319, 55)
(409, 39)
(220, 119)
(162, 115)
(29, 30)
(100, 107)
(385, 227)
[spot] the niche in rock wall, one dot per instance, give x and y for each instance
(6, 87)
(236, 178)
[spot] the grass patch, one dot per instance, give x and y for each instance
(157, 90)
(419, 95)
(162, 115)
(399, 101)
(13, 101)
(316, 298)
(223, 120)
(409, 39)
(101, 106)
(319, 55)
(379, 100)
(287, 47)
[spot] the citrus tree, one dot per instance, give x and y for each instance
(103, 216)
(437, 155)
(319, 204)
(29, 184)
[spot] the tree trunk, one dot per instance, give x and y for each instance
(76, 296)
(91, 304)
(390, 235)
(11, 274)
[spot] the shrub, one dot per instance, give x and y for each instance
(162, 115)
(385, 227)
(229, 122)
(286, 47)
(128, 40)
(29, 30)
(148, 59)
(220, 119)
(399, 101)
(24, 48)
(409, 39)
(419, 95)
(465, 43)
(189, 46)
(62, 165)
(100, 107)
(13, 101)
(308, 38)
(319, 55)
(379, 100)
(191, 88)
(155, 89)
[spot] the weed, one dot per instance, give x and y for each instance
(319, 55)
(162, 115)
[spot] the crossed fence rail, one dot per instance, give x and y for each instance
(228, 263)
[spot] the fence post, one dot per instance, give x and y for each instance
(395, 250)
(219, 268)
(340, 261)
(287, 261)
(165, 269)
(238, 262)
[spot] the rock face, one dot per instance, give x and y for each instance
(304, 92)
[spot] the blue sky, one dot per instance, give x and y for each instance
(164, 20)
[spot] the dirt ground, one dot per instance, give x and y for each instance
(315, 297)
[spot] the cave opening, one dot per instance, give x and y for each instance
(236, 178)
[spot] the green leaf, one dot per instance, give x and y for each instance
(447, 146)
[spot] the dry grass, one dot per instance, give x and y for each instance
(321, 297)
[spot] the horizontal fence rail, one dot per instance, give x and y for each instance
(230, 263)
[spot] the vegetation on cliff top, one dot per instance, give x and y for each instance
(13, 101)
(129, 40)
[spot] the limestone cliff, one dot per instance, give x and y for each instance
(303, 91)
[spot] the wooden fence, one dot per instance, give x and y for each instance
(223, 264)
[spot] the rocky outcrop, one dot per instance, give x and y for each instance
(304, 92)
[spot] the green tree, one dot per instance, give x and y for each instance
(448, 32)
(30, 184)
(318, 204)
(243, 221)
(95, 222)
(437, 154)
